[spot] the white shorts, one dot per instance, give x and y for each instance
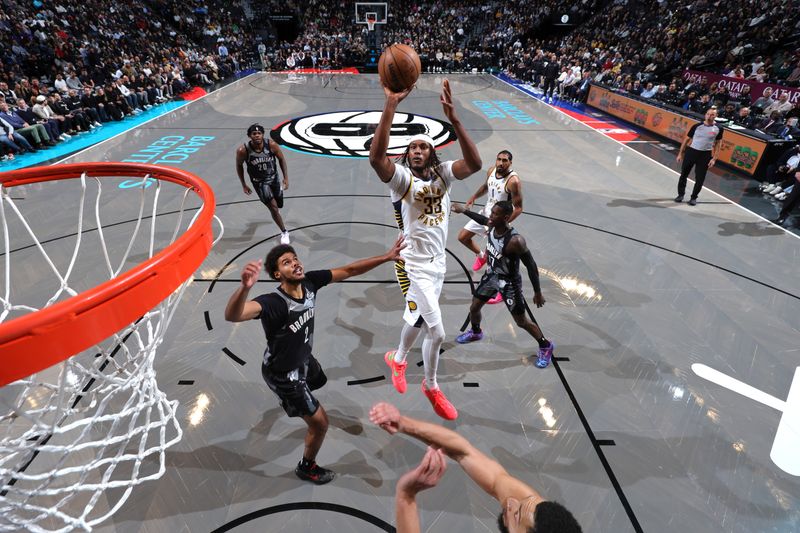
(424, 285)
(477, 229)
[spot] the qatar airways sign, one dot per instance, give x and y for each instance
(735, 86)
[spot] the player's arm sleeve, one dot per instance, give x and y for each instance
(477, 217)
(319, 278)
(400, 181)
(533, 270)
(263, 301)
(446, 172)
(273, 309)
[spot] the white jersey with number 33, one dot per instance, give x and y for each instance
(422, 211)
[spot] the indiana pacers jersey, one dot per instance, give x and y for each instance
(497, 191)
(422, 211)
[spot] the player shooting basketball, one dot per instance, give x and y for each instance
(420, 192)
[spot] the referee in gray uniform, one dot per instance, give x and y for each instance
(699, 149)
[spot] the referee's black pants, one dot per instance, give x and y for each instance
(698, 159)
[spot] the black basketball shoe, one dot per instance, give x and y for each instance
(314, 473)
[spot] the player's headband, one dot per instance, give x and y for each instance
(422, 137)
(255, 127)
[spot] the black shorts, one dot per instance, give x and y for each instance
(511, 290)
(267, 190)
(294, 388)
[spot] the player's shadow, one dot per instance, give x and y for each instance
(349, 246)
(348, 424)
(455, 367)
(247, 237)
(464, 301)
(748, 229)
(195, 467)
(363, 364)
(383, 297)
(659, 203)
(614, 296)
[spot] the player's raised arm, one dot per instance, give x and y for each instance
(384, 166)
(482, 190)
(425, 476)
(239, 308)
(365, 265)
(463, 209)
(471, 159)
(487, 473)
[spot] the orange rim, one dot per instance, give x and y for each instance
(40, 339)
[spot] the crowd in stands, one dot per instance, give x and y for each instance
(642, 47)
(96, 61)
(449, 35)
(69, 66)
(637, 46)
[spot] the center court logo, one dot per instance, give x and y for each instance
(349, 133)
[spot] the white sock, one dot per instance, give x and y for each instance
(407, 339)
(434, 337)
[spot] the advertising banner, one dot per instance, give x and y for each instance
(738, 150)
(735, 85)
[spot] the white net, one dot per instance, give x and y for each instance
(77, 437)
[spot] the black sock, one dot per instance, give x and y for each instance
(543, 343)
(476, 329)
(305, 463)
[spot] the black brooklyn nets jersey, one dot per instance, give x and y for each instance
(261, 166)
(499, 263)
(289, 323)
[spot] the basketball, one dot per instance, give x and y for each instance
(399, 67)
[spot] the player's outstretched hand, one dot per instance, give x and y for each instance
(447, 101)
(247, 190)
(538, 299)
(385, 415)
(458, 208)
(399, 96)
(426, 475)
(394, 252)
(250, 273)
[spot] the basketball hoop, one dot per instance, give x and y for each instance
(372, 19)
(79, 396)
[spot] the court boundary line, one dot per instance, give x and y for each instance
(728, 200)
